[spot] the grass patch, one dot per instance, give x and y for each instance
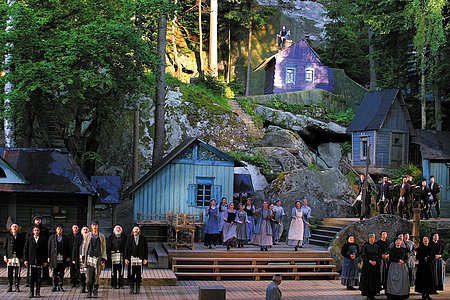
(255, 158)
(343, 117)
(249, 107)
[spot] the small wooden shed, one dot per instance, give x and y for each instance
(185, 181)
(381, 130)
(297, 68)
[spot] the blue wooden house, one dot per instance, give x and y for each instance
(381, 130)
(297, 68)
(185, 181)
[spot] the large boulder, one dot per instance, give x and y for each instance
(361, 229)
(330, 153)
(280, 159)
(259, 182)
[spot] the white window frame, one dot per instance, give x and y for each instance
(364, 139)
(309, 74)
(288, 69)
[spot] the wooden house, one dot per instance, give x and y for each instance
(435, 153)
(381, 130)
(297, 68)
(185, 181)
(45, 182)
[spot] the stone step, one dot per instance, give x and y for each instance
(330, 233)
(319, 242)
(325, 238)
(329, 227)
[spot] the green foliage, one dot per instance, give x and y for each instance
(346, 148)
(314, 167)
(343, 117)
(409, 169)
(249, 107)
(256, 158)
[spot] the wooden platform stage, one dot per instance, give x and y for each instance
(150, 277)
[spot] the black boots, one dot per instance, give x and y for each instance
(89, 293)
(17, 287)
(9, 288)
(135, 288)
(83, 287)
(95, 293)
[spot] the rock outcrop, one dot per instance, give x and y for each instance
(330, 154)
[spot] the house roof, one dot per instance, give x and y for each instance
(172, 155)
(374, 108)
(45, 171)
(434, 145)
(267, 60)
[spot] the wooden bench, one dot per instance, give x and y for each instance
(258, 275)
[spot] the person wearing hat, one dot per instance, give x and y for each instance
(13, 253)
(35, 257)
(58, 256)
(350, 273)
(44, 232)
(115, 248)
(73, 268)
(77, 258)
(370, 282)
(94, 257)
(136, 255)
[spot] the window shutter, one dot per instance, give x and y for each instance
(192, 195)
(217, 189)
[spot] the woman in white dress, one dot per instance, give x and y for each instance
(295, 236)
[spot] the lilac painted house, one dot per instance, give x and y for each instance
(297, 68)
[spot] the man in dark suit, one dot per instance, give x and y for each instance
(58, 256)
(136, 256)
(44, 232)
(425, 200)
(73, 270)
(35, 256)
(13, 253)
(384, 203)
(363, 207)
(77, 258)
(435, 190)
(115, 248)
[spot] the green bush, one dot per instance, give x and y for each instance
(346, 148)
(409, 169)
(343, 117)
(255, 158)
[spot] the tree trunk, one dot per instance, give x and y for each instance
(229, 54)
(372, 67)
(176, 61)
(437, 97)
(213, 39)
(8, 123)
(424, 101)
(200, 38)
(160, 133)
(249, 58)
(135, 174)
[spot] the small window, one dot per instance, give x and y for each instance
(290, 75)
(204, 194)
(309, 74)
(364, 147)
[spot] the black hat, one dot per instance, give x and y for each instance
(117, 224)
(37, 217)
(136, 225)
(59, 225)
(94, 222)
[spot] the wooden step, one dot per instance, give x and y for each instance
(321, 237)
(329, 233)
(259, 275)
(176, 260)
(319, 242)
(329, 227)
(255, 267)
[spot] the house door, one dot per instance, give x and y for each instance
(397, 149)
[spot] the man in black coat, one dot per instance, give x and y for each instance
(58, 256)
(35, 256)
(13, 253)
(435, 190)
(425, 200)
(44, 232)
(136, 256)
(363, 207)
(115, 248)
(73, 270)
(384, 203)
(77, 254)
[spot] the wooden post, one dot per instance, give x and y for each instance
(416, 226)
(89, 210)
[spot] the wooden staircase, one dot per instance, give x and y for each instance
(327, 229)
(252, 264)
(249, 124)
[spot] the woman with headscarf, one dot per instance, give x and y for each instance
(410, 252)
(212, 229)
(439, 264)
(263, 230)
(350, 273)
(370, 282)
(222, 209)
(241, 226)
(229, 227)
(295, 236)
(397, 283)
(425, 281)
(384, 247)
(250, 209)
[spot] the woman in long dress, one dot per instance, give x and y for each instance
(306, 210)
(263, 230)
(397, 284)
(411, 252)
(212, 230)
(370, 282)
(439, 264)
(222, 209)
(241, 227)
(250, 209)
(425, 281)
(295, 236)
(350, 273)
(229, 227)
(279, 214)
(384, 247)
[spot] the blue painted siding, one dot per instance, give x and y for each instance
(356, 146)
(168, 189)
(440, 170)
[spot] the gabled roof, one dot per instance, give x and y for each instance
(267, 60)
(434, 145)
(172, 155)
(374, 109)
(45, 171)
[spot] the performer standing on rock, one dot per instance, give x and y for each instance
(115, 249)
(77, 258)
(136, 256)
(13, 253)
(94, 257)
(58, 256)
(295, 235)
(35, 256)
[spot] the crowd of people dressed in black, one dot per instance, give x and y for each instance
(262, 227)
(394, 266)
(399, 199)
(84, 251)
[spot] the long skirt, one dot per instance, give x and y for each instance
(250, 227)
(439, 273)
(370, 284)
(397, 285)
(241, 232)
(295, 234)
(306, 233)
(350, 274)
(383, 272)
(229, 234)
(411, 265)
(262, 238)
(425, 280)
(277, 230)
(212, 239)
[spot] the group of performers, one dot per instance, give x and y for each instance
(262, 227)
(400, 198)
(394, 266)
(85, 253)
